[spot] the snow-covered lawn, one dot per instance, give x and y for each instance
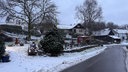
(21, 62)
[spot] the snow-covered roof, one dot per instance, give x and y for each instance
(101, 32)
(107, 31)
(83, 36)
(65, 26)
(121, 31)
(115, 37)
(9, 24)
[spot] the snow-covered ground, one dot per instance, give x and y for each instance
(75, 48)
(21, 62)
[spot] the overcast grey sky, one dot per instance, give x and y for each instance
(113, 10)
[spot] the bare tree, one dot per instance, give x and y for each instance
(89, 13)
(111, 25)
(29, 11)
(99, 26)
(49, 11)
(48, 19)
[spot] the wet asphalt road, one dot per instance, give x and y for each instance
(111, 60)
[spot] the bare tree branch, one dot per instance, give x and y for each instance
(29, 11)
(89, 13)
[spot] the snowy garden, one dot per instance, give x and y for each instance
(21, 62)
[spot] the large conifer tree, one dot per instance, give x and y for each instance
(52, 43)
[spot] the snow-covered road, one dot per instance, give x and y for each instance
(111, 60)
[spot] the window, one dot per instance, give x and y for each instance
(74, 30)
(80, 30)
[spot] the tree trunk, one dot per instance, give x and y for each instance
(29, 31)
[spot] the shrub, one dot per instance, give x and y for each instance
(2, 48)
(52, 43)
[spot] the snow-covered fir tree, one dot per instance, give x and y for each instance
(52, 43)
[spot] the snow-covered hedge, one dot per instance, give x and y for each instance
(2, 48)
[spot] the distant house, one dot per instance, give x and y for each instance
(108, 35)
(72, 29)
(104, 32)
(4, 37)
(122, 33)
(17, 29)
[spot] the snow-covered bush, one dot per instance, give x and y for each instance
(52, 43)
(2, 48)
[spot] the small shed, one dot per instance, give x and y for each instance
(83, 39)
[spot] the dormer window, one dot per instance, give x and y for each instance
(78, 26)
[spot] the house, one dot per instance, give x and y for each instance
(107, 35)
(78, 29)
(73, 30)
(104, 32)
(4, 37)
(122, 33)
(16, 29)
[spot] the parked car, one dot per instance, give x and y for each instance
(32, 51)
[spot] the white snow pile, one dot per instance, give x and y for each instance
(21, 62)
(124, 43)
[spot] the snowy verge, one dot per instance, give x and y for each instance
(77, 48)
(80, 57)
(126, 60)
(21, 62)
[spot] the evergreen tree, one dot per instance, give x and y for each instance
(52, 43)
(2, 48)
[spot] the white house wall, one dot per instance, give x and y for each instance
(123, 36)
(79, 31)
